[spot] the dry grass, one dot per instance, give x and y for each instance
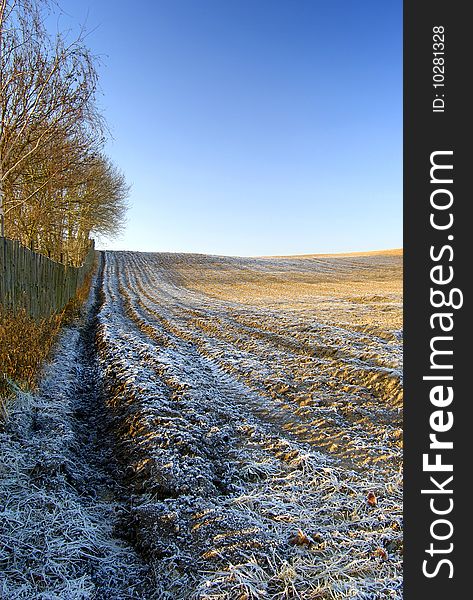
(25, 343)
(257, 405)
(359, 290)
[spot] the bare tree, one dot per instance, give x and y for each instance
(46, 85)
(56, 186)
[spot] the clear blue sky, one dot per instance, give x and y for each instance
(251, 127)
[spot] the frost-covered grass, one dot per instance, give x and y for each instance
(252, 411)
(56, 535)
(256, 437)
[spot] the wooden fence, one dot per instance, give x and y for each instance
(34, 282)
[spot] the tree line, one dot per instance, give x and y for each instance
(57, 186)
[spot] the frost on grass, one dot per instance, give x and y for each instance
(261, 428)
(255, 406)
(56, 537)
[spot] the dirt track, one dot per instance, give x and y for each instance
(251, 405)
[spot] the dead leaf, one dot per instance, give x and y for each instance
(301, 539)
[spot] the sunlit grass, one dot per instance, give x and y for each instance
(25, 343)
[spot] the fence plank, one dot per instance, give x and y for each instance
(34, 282)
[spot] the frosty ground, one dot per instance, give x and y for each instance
(214, 428)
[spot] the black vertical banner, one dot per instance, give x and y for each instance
(437, 250)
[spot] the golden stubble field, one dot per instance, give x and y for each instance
(260, 400)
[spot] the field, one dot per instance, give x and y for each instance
(223, 428)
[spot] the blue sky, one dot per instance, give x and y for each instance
(251, 127)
